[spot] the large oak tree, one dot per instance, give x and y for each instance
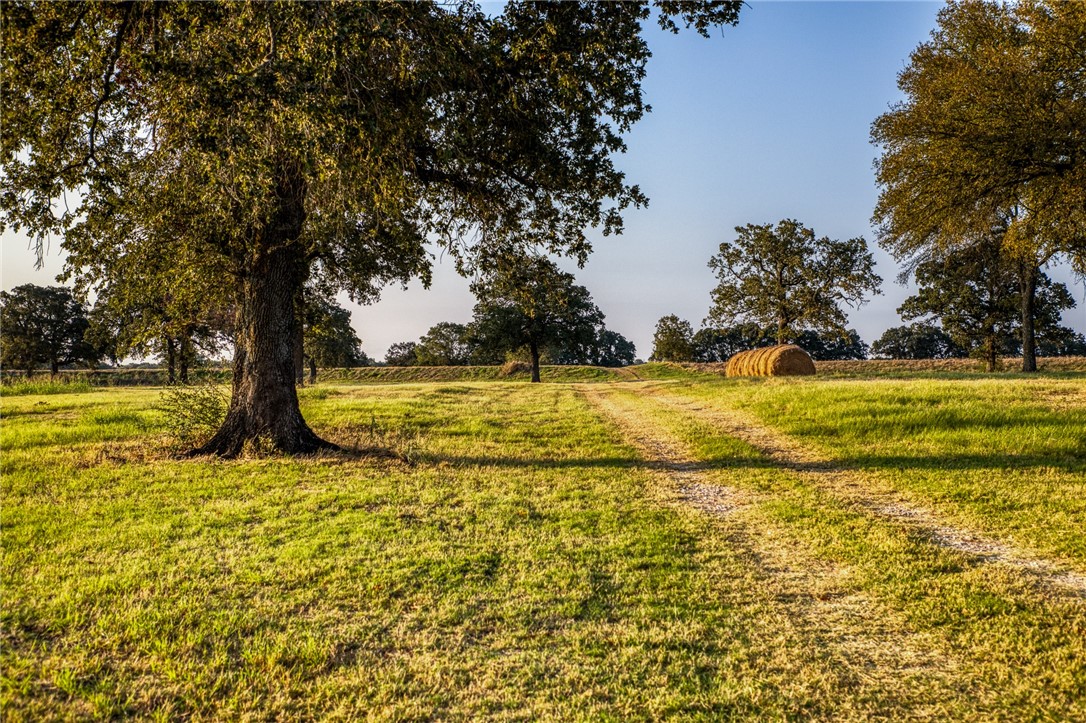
(44, 325)
(991, 135)
(787, 277)
(258, 142)
(528, 302)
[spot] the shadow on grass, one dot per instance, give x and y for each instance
(627, 463)
(860, 465)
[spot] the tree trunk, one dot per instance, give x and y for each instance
(184, 355)
(299, 352)
(264, 400)
(312, 370)
(54, 368)
(171, 360)
(29, 372)
(991, 346)
(1027, 284)
(780, 330)
(534, 349)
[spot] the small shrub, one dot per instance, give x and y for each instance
(193, 412)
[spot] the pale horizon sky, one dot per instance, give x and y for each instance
(763, 121)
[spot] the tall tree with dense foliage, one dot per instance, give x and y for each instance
(527, 301)
(786, 277)
(975, 295)
(444, 344)
(44, 325)
(673, 340)
(258, 142)
(989, 136)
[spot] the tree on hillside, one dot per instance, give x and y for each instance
(989, 137)
(262, 142)
(328, 339)
(402, 354)
(787, 277)
(444, 344)
(673, 340)
(527, 301)
(43, 325)
(975, 295)
(919, 340)
(611, 349)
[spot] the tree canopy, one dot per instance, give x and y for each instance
(673, 340)
(919, 340)
(975, 294)
(444, 344)
(787, 277)
(44, 325)
(402, 354)
(249, 143)
(990, 128)
(527, 301)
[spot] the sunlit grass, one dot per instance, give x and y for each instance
(522, 565)
(519, 568)
(1003, 455)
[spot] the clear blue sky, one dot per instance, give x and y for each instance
(764, 121)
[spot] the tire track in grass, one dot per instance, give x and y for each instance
(862, 490)
(869, 646)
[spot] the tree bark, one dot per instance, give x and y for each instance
(1027, 284)
(264, 401)
(185, 353)
(534, 349)
(312, 371)
(299, 353)
(54, 368)
(171, 360)
(990, 349)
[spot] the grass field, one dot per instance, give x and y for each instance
(670, 545)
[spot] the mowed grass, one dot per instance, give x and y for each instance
(1002, 455)
(1005, 645)
(525, 566)
(519, 569)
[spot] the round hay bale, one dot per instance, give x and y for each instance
(770, 361)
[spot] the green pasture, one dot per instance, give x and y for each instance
(521, 560)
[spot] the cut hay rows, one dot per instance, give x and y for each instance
(770, 361)
(870, 645)
(879, 499)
